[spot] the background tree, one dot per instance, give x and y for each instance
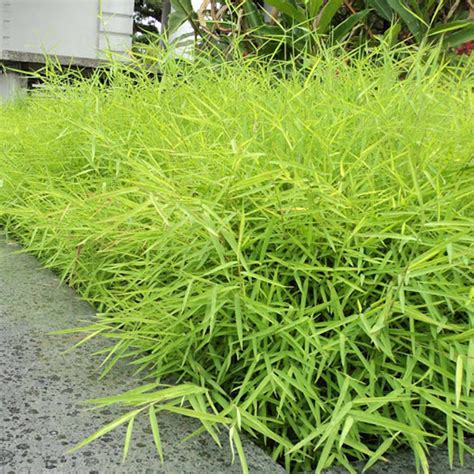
(147, 18)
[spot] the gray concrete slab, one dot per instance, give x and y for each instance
(41, 389)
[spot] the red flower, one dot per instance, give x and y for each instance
(465, 48)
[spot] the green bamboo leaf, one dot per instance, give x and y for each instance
(390, 37)
(461, 444)
(325, 453)
(325, 430)
(420, 455)
(459, 37)
(203, 416)
(436, 11)
(105, 429)
(382, 421)
(284, 6)
(450, 27)
(383, 9)
(137, 397)
(327, 14)
(235, 440)
(411, 20)
(469, 367)
(238, 320)
(255, 424)
(156, 433)
(314, 8)
(378, 455)
(459, 378)
(253, 16)
(450, 439)
(345, 430)
(128, 439)
(345, 27)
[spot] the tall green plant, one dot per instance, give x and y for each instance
(292, 25)
(445, 20)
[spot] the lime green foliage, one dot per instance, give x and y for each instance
(297, 253)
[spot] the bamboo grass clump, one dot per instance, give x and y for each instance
(297, 253)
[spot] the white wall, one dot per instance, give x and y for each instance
(116, 25)
(65, 27)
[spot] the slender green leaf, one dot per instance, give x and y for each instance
(156, 433)
(327, 14)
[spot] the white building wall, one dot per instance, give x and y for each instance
(76, 31)
(72, 28)
(115, 25)
(2, 26)
(57, 27)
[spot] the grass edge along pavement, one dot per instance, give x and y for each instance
(297, 252)
(43, 382)
(38, 386)
(33, 303)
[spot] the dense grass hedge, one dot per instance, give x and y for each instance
(297, 252)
